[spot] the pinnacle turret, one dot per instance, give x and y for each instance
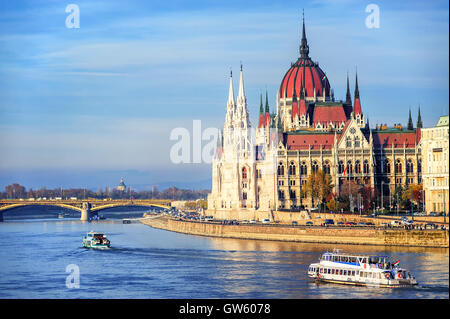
(419, 120)
(304, 48)
(348, 98)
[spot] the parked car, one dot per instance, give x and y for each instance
(361, 224)
(252, 221)
(384, 224)
(340, 224)
(419, 214)
(370, 224)
(430, 226)
(266, 221)
(406, 221)
(396, 223)
(432, 214)
(328, 222)
(349, 224)
(309, 223)
(244, 221)
(294, 223)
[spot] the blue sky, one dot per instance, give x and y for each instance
(84, 107)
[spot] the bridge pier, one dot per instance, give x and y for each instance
(85, 211)
(1, 217)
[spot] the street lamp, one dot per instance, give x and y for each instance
(443, 192)
(390, 200)
(382, 203)
(397, 204)
(423, 200)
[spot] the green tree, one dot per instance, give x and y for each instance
(318, 186)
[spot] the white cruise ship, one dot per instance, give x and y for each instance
(353, 269)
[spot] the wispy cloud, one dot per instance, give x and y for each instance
(115, 84)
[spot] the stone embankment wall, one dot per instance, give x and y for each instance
(287, 217)
(359, 236)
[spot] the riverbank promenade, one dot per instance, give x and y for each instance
(309, 234)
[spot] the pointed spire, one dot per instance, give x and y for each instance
(302, 85)
(419, 120)
(219, 139)
(348, 98)
(357, 105)
(267, 114)
(304, 48)
(261, 113)
(410, 122)
(302, 105)
(241, 85)
(261, 108)
(231, 91)
(294, 110)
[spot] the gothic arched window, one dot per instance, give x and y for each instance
(348, 142)
(409, 166)
(398, 166)
(244, 173)
(366, 167)
(358, 167)
(387, 167)
(314, 167)
(292, 168)
(341, 167)
(349, 167)
(303, 169)
(326, 167)
(280, 169)
(292, 194)
(357, 142)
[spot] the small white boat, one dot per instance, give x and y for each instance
(352, 269)
(96, 240)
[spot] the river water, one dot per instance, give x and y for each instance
(37, 258)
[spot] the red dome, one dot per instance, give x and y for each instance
(315, 79)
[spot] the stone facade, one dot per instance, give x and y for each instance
(258, 170)
(435, 150)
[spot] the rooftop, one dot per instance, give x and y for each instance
(443, 121)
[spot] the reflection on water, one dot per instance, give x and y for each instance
(150, 263)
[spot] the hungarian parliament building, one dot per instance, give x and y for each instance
(263, 168)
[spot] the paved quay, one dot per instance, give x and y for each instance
(307, 234)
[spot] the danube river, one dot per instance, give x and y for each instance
(149, 263)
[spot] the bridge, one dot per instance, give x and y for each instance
(85, 207)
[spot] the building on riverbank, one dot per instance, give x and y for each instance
(435, 150)
(265, 168)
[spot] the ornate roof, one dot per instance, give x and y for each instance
(304, 75)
